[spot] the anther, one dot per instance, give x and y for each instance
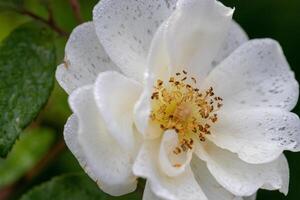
(160, 82)
(177, 165)
(202, 139)
(194, 80)
(171, 79)
(183, 108)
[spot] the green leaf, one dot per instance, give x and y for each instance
(72, 187)
(10, 21)
(27, 67)
(11, 4)
(26, 153)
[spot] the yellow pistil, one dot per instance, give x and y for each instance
(183, 107)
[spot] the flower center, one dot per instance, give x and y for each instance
(181, 106)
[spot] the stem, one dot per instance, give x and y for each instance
(8, 191)
(50, 22)
(46, 160)
(76, 10)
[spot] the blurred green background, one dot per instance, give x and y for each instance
(26, 166)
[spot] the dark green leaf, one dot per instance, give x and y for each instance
(27, 66)
(72, 187)
(26, 153)
(11, 4)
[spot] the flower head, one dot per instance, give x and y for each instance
(173, 91)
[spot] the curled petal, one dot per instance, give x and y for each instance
(172, 164)
(180, 187)
(241, 178)
(115, 97)
(104, 160)
(85, 58)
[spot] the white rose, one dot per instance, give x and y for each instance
(173, 91)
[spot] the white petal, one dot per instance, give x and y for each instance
(212, 189)
(170, 188)
(157, 69)
(142, 110)
(84, 59)
(252, 197)
(257, 135)
(115, 97)
(241, 178)
(165, 58)
(106, 162)
(255, 75)
(170, 163)
(71, 139)
(148, 194)
(126, 29)
(195, 33)
(236, 37)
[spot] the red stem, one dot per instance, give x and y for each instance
(50, 22)
(8, 191)
(76, 10)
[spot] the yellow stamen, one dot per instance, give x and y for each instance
(184, 108)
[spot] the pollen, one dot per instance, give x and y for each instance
(179, 105)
